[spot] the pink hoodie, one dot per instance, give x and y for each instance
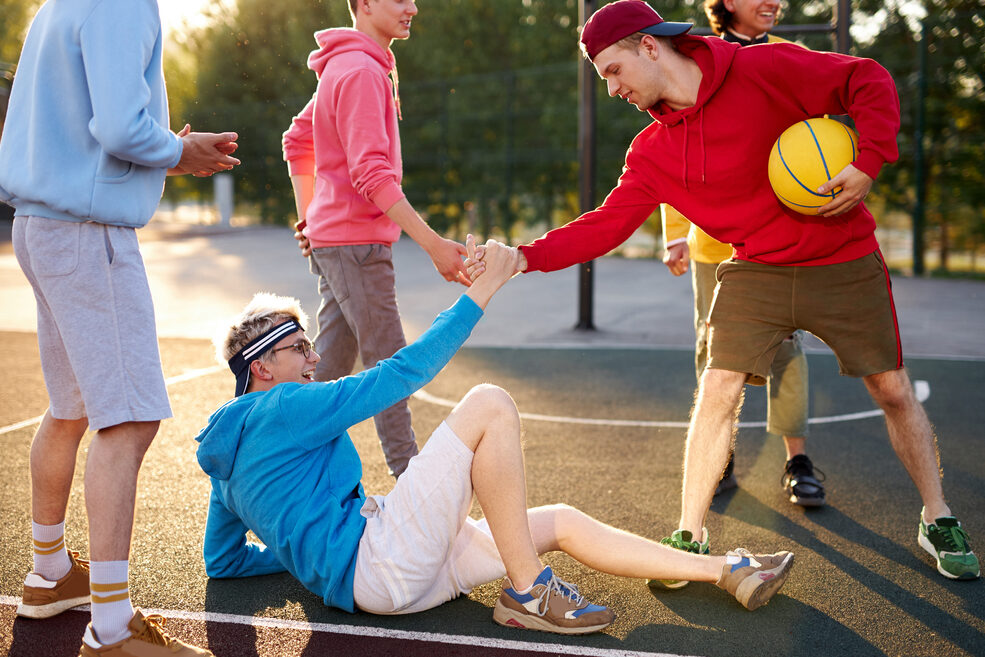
(347, 136)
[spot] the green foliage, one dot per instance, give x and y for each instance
(954, 130)
(490, 104)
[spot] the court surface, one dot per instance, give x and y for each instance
(603, 418)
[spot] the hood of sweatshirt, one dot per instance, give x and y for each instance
(339, 40)
(219, 440)
(714, 58)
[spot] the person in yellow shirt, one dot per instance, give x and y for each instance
(746, 22)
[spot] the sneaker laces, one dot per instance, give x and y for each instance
(565, 590)
(800, 467)
(954, 538)
(153, 632)
(83, 563)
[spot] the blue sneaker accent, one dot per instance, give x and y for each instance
(742, 564)
(550, 605)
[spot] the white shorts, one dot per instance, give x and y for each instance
(96, 329)
(420, 548)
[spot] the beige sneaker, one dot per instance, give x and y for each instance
(43, 598)
(148, 640)
(754, 578)
(551, 605)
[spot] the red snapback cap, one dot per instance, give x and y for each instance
(617, 20)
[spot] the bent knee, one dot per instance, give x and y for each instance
(491, 399)
(890, 389)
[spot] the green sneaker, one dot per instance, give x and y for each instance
(681, 540)
(947, 541)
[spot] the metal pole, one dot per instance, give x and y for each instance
(920, 180)
(586, 157)
(843, 22)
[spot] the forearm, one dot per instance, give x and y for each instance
(403, 214)
(304, 191)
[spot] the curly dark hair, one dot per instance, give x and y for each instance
(718, 16)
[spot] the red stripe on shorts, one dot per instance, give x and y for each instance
(892, 307)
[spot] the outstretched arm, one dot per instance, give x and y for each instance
(445, 254)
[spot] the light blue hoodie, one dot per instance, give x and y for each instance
(283, 465)
(86, 135)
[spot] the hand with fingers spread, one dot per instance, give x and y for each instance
(855, 186)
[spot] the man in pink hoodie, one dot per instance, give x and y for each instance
(343, 155)
(717, 109)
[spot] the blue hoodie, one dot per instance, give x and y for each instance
(86, 135)
(282, 465)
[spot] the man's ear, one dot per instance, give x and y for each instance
(648, 46)
(259, 371)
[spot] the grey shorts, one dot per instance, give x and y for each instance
(96, 328)
(420, 548)
(847, 305)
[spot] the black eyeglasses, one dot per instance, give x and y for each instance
(302, 346)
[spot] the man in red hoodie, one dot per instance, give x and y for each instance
(343, 154)
(717, 109)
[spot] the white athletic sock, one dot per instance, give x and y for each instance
(50, 556)
(111, 608)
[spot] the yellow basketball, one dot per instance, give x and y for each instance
(807, 155)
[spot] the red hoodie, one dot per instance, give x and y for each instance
(710, 161)
(347, 136)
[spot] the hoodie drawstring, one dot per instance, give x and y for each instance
(701, 144)
(396, 89)
(684, 154)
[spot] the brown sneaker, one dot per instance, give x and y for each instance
(552, 605)
(148, 640)
(43, 598)
(754, 578)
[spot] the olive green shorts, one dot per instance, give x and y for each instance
(847, 305)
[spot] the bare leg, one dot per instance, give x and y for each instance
(114, 462)
(709, 440)
(911, 435)
(795, 446)
(487, 421)
(53, 454)
(614, 551)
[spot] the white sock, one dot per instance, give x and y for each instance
(50, 556)
(111, 607)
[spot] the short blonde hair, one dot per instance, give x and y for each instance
(261, 314)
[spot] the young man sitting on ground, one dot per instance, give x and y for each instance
(282, 465)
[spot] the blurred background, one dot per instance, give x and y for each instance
(489, 95)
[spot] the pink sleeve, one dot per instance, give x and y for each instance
(298, 142)
(362, 100)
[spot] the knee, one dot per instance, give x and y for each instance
(567, 521)
(890, 390)
(129, 438)
(492, 402)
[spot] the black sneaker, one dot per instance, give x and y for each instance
(728, 480)
(800, 484)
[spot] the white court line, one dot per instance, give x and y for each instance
(920, 387)
(187, 376)
(380, 632)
